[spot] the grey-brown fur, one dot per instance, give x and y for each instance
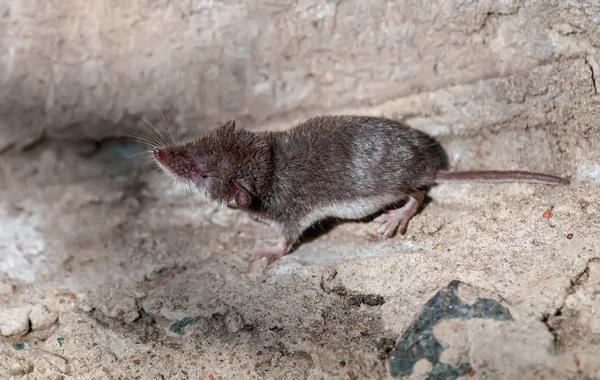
(332, 166)
(337, 159)
(323, 161)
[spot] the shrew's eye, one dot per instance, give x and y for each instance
(203, 175)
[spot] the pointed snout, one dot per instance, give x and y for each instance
(177, 161)
(160, 155)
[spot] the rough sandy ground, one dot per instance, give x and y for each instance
(105, 276)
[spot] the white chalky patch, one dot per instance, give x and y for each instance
(21, 244)
(589, 172)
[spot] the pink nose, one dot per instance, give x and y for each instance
(160, 155)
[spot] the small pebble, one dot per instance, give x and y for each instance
(41, 317)
(15, 321)
(57, 361)
(547, 214)
(16, 369)
(234, 322)
(570, 236)
(123, 308)
(351, 374)
(28, 368)
(327, 79)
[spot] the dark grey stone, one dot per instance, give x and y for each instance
(418, 342)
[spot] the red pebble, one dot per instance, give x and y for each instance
(547, 214)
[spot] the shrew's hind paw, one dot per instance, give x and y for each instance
(397, 220)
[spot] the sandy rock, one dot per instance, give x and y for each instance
(6, 289)
(234, 322)
(124, 309)
(479, 335)
(41, 317)
(18, 368)
(506, 85)
(57, 361)
(15, 321)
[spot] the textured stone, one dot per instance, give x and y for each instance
(18, 368)
(465, 331)
(6, 288)
(57, 361)
(14, 321)
(504, 84)
(124, 309)
(179, 326)
(41, 317)
(234, 321)
(259, 60)
(419, 341)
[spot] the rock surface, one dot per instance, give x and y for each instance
(14, 321)
(453, 330)
(82, 70)
(147, 282)
(41, 317)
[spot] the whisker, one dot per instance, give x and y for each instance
(162, 140)
(138, 153)
(145, 140)
(166, 195)
(154, 138)
(160, 188)
(182, 129)
(163, 186)
(141, 138)
(150, 161)
(166, 124)
(187, 185)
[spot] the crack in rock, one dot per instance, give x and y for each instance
(562, 324)
(590, 60)
(353, 299)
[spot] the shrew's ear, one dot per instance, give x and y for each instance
(238, 197)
